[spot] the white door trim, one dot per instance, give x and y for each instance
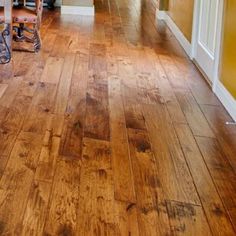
(219, 37)
(218, 88)
(219, 43)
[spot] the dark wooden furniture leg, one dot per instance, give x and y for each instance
(6, 32)
(50, 4)
(5, 47)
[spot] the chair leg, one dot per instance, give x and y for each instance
(33, 36)
(37, 40)
(19, 37)
(5, 52)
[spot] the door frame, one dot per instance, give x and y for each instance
(219, 40)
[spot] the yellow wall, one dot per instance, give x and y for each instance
(181, 12)
(229, 48)
(163, 5)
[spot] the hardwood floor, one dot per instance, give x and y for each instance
(111, 130)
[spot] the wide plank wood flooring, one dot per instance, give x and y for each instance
(111, 130)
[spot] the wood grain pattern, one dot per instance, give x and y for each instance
(36, 209)
(96, 200)
(169, 156)
(15, 185)
(194, 115)
(97, 113)
(41, 108)
(62, 218)
(111, 130)
(187, 219)
(73, 130)
(222, 173)
(126, 218)
(52, 70)
(3, 88)
(64, 85)
(123, 179)
(206, 188)
(226, 135)
(152, 214)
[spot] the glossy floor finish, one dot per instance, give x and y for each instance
(110, 130)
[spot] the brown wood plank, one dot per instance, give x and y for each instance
(3, 112)
(3, 88)
(12, 123)
(226, 134)
(48, 39)
(10, 92)
(36, 209)
(127, 219)
(152, 213)
(205, 185)
(129, 89)
(96, 211)
(196, 82)
(73, 131)
(47, 160)
(194, 115)
(112, 65)
(61, 46)
(172, 168)
(94, 80)
(41, 108)
(55, 125)
(174, 75)
(222, 173)
(187, 219)
(168, 95)
(123, 178)
(16, 181)
(97, 57)
(63, 89)
(22, 67)
(52, 70)
(32, 75)
(97, 113)
(62, 215)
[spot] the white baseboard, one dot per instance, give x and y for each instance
(78, 10)
(226, 98)
(162, 15)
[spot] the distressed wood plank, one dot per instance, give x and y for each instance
(62, 215)
(207, 191)
(152, 213)
(96, 213)
(187, 219)
(194, 115)
(63, 89)
(16, 181)
(97, 113)
(41, 108)
(123, 178)
(52, 70)
(36, 209)
(172, 168)
(73, 130)
(222, 173)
